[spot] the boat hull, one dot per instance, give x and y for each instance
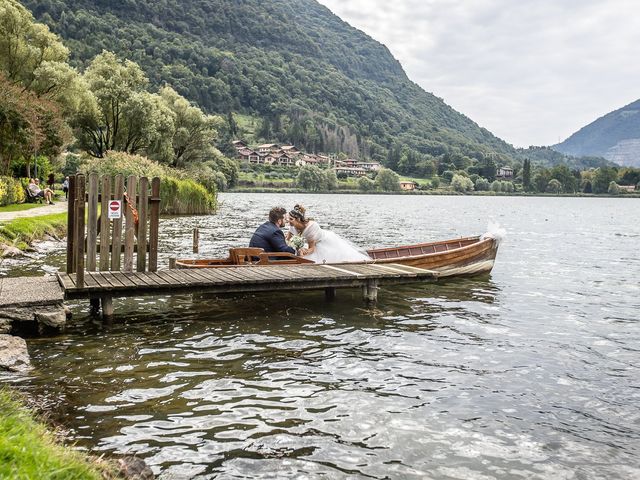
(450, 258)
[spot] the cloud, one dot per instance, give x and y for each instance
(532, 72)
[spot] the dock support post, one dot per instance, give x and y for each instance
(95, 305)
(107, 306)
(172, 263)
(370, 291)
(330, 293)
(196, 240)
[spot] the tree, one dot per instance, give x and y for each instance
(311, 178)
(614, 188)
(603, 178)
(330, 179)
(387, 180)
(489, 169)
(482, 185)
(565, 177)
(461, 184)
(554, 186)
(526, 175)
(366, 184)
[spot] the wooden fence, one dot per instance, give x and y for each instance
(95, 237)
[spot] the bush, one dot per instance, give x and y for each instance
(461, 184)
(330, 179)
(554, 186)
(482, 184)
(180, 195)
(11, 191)
(312, 178)
(387, 180)
(496, 186)
(614, 188)
(366, 184)
(435, 182)
(447, 175)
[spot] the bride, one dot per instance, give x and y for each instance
(324, 246)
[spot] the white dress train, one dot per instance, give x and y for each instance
(330, 247)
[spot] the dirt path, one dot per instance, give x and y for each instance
(59, 207)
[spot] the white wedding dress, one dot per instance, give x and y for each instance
(330, 247)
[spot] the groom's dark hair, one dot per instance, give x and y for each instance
(277, 213)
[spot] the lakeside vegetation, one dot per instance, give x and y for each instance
(28, 449)
(20, 233)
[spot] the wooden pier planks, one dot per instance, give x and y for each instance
(237, 279)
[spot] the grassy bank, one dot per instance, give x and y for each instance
(28, 449)
(22, 232)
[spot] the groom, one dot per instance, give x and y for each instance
(269, 237)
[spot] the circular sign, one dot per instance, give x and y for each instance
(114, 205)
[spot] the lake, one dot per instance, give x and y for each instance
(530, 372)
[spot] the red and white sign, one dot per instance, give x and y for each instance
(115, 209)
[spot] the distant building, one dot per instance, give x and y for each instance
(351, 171)
(504, 172)
(370, 166)
(627, 188)
(408, 186)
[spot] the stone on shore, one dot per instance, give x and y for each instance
(13, 354)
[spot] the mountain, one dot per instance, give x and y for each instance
(548, 157)
(311, 78)
(615, 136)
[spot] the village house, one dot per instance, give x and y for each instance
(351, 171)
(627, 188)
(370, 166)
(504, 172)
(408, 186)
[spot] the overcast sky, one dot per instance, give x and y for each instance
(532, 72)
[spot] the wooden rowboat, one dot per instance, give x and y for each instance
(460, 256)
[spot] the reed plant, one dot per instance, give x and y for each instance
(180, 193)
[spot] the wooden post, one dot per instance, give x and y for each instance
(107, 307)
(71, 224)
(104, 223)
(154, 221)
(92, 227)
(330, 293)
(130, 227)
(172, 263)
(79, 230)
(370, 291)
(142, 225)
(196, 240)
(116, 241)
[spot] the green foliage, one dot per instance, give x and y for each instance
(311, 178)
(313, 79)
(461, 184)
(330, 179)
(180, 195)
(365, 184)
(614, 188)
(548, 157)
(22, 232)
(482, 185)
(554, 186)
(603, 178)
(29, 450)
(526, 175)
(447, 176)
(566, 178)
(387, 180)
(11, 191)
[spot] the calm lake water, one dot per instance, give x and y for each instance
(531, 372)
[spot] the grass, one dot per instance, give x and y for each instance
(28, 449)
(22, 232)
(18, 207)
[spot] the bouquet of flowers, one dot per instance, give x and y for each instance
(296, 242)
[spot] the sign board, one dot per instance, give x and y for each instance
(115, 209)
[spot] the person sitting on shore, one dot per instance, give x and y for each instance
(36, 191)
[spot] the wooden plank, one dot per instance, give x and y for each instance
(103, 282)
(104, 223)
(65, 281)
(92, 222)
(343, 270)
(71, 199)
(141, 260)
(141, 279)
(116, 234)
(219, 275)
(79, 230)
(154, 220)
(183, 276)
(122, 278)
(373, 271)
(113, 281)
(157, 276)
(130, 227)
(90, 281)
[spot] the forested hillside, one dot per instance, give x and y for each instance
(615, 136)
(314, 80)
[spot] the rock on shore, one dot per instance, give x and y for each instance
(13, 354)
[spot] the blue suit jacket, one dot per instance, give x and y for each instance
(270, 238)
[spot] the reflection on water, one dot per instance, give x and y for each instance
(531, 372)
